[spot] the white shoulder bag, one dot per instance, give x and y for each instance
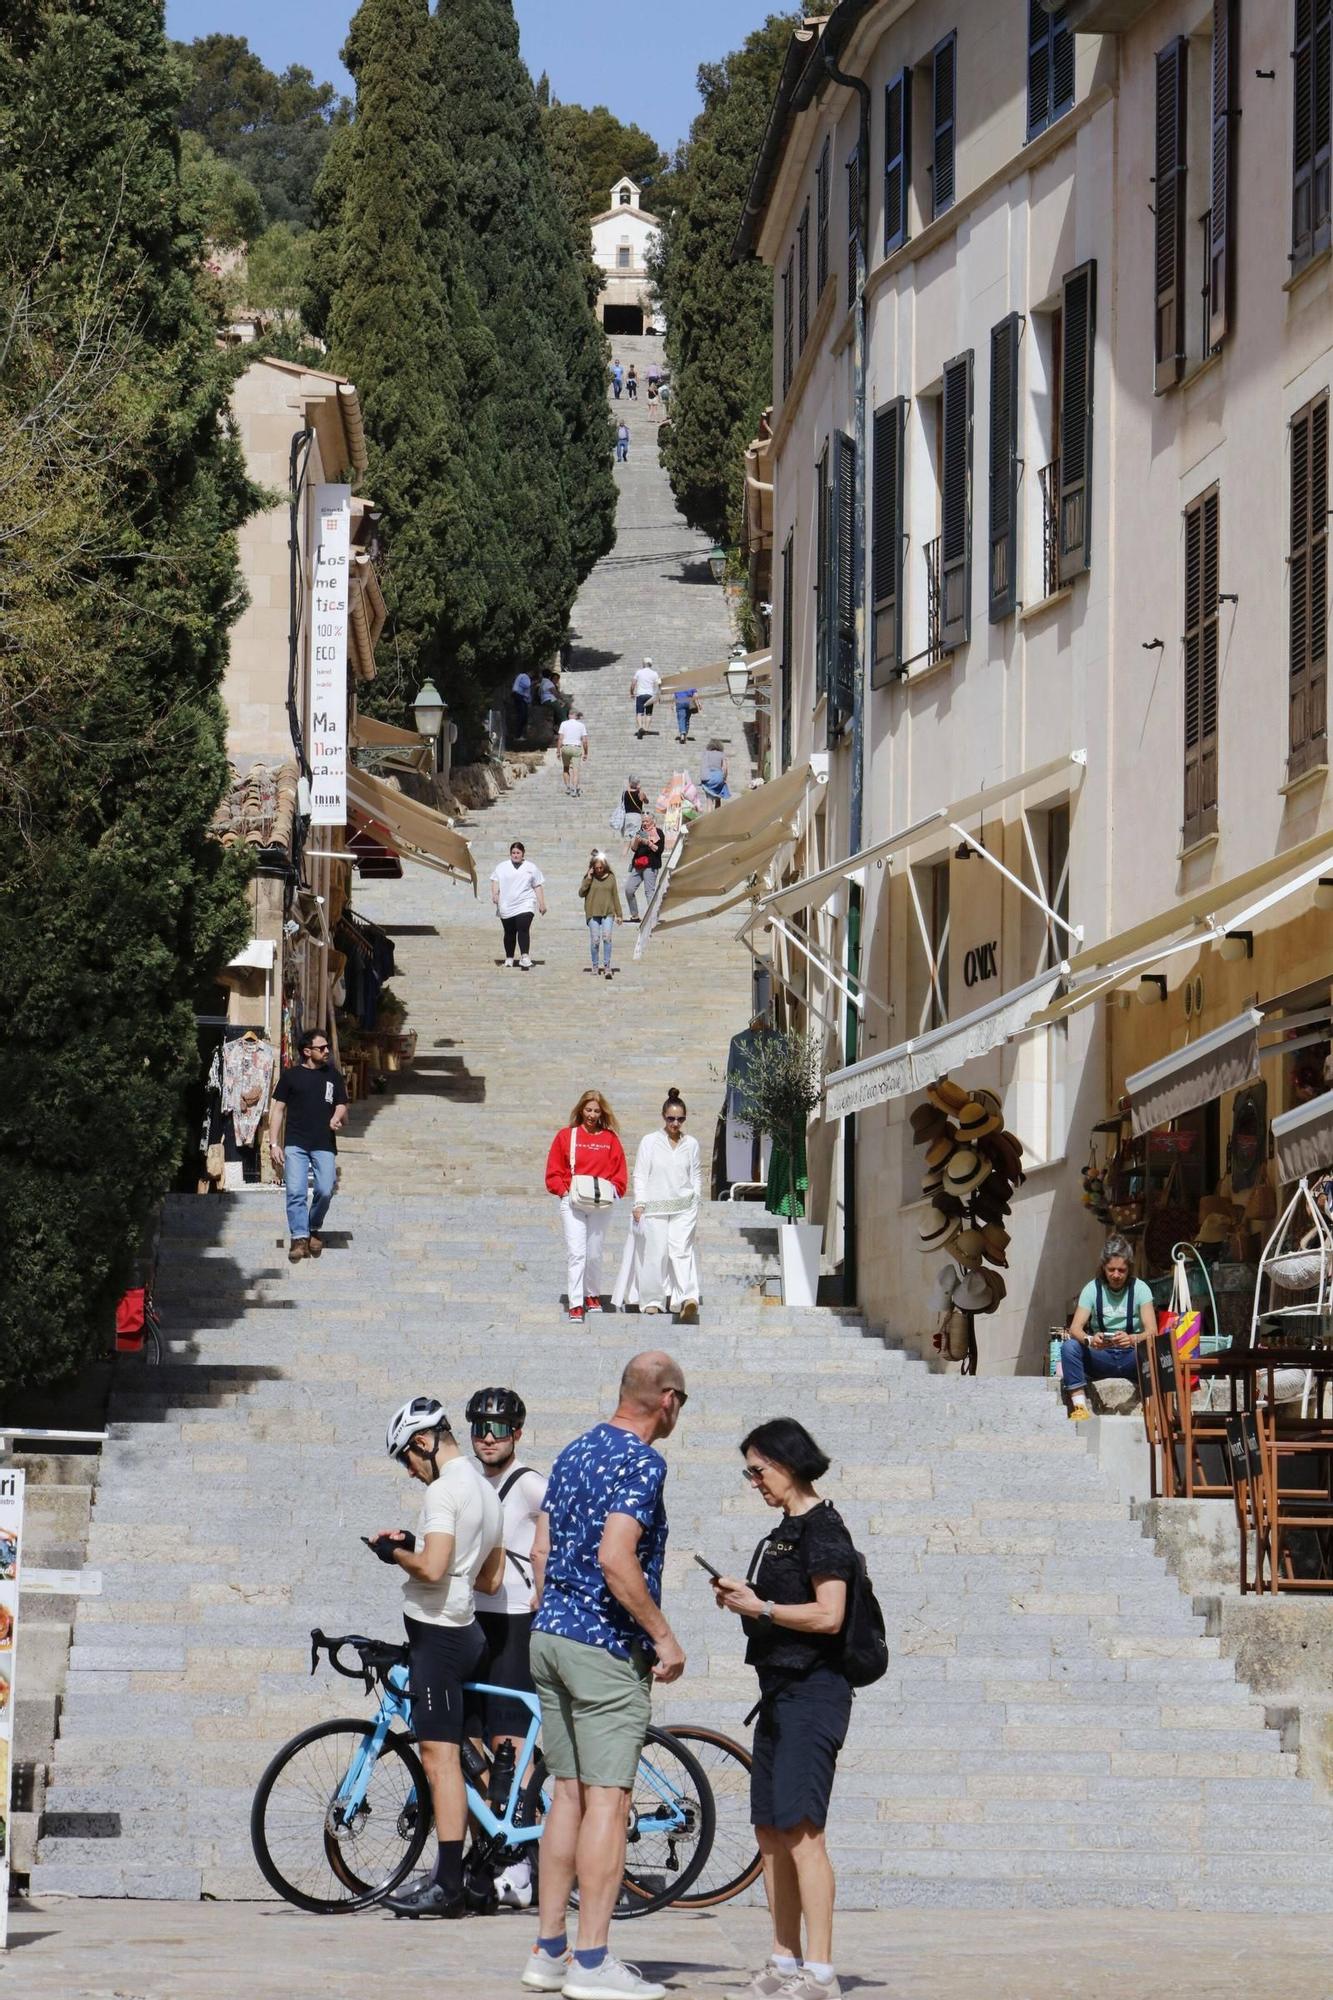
(586, 1191)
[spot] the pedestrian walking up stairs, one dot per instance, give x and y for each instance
(1054, 1730)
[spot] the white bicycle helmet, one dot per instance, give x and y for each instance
(423, 1413)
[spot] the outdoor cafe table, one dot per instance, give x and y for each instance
(1244, 1367)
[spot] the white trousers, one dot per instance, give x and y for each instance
(585, 1237)
(667, 1273)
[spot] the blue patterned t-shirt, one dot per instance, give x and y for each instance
(606, 1471)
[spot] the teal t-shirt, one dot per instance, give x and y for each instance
(1120, 1316)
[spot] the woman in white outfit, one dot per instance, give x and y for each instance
(666, 1189)
(588, 1148)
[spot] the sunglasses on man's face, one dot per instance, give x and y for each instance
(491, 1427)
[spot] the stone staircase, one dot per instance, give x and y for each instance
(1055, 1729)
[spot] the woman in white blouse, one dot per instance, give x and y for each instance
(659, 1265)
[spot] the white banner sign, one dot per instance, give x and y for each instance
(11, 1536)
(328, 657)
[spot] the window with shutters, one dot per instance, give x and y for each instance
(1170, 214)
(928, 947)
(1220, 220)
(803, 279)
(787, 665)
(1002, 471)
(822, 197)
(943, 115)
(887, 537)
(853, 222)
(823, 593)
(954, 566)
(1312, 130)
(1078, 315)
(897, 159)
(1045, 367)
(1308, 587)
(1201, 643)
(788, 316)
(842, 582)
(1050, 65)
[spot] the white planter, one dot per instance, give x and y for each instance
(799, 1245)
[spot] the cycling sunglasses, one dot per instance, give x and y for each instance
(492, 1427)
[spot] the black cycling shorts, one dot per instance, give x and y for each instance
(440, 1659)
(799, 1731)
(506, 1639)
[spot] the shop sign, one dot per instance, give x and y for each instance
(981, 963)
(328, 657)
(11, 1536)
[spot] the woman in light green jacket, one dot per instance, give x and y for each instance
(601, 906)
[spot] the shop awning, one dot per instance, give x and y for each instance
(701, 679)
(1205, 1069)
(368, 729)
(913, 1064)
(1303, 1139)
(723, 850)
(815, 889)
(1191, 923)
(417, 830)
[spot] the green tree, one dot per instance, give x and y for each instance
(531, 286)
(600, 149)
(719, 338)
(278, 268)
(275, 129)
(226, 206)
(122, 486)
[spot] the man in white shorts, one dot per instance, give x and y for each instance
(572, 737)
(644, 688)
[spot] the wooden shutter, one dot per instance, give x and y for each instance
(842, 571)
(1312, 115)
(1077, 358)
(821, 220)
(944, 92)
(1308, 613)
(956, 505)
(853, 221)
(886, 554)
(803, 279)
(1201, 655)
(1062, 63)
(788, 566)
(1050, 65)
(1169, 209)
(1222, 218)
(822, 592)
(788, 306)
(1003, 479)
(897, 158)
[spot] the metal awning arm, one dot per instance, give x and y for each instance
(822, 963)
(787, 987)
(1074, 931)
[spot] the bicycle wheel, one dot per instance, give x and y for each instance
(734, 1862)
(671, 1828)
(311, 1855)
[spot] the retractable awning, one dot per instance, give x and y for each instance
(1205, 1069)
(1303, 1139)
(418, 830)
(925, 1058)
(701, 679)
(722, 851)
(815, 889)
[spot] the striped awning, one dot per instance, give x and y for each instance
(1303, 1139)
(1197, 1074)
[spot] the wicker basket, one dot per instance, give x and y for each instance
(1296, 1270)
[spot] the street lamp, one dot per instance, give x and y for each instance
(430, 709)
(738, 677)
(717, 561)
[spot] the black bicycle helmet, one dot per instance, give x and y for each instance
(506, 1405)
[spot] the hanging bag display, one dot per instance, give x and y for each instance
(587, 1192)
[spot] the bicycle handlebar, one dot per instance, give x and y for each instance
(376, 1656)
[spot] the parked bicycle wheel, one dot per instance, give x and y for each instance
(308, 1850)
(672, 1825)
(733, 1862)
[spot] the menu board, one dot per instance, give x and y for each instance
(11, 1536)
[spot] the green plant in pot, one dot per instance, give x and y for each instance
(778, 1090)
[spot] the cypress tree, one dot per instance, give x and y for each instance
(719, 315)
(126, 486)
(531, 285)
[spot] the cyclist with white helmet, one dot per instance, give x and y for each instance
(458, 1544)
(496, 1417)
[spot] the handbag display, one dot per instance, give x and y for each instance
(586, 1191)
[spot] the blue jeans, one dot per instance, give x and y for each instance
(304, 1215)
(600, 928)
(622, 449)
(1079, 1364)
(683, 716)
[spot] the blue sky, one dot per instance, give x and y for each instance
(639, 59)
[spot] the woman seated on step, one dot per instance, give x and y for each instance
(1114, 1313)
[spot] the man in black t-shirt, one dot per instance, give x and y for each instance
(309, 1107)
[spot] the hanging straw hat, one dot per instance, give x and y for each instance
(1005, 1150)
(973, 1294)
(996, 1242)
(997, 1288)
(991, 1100)
(927, 1123)
(977, 1121)
(969, 1243)
(938, 1230)
(932, 1180)
(940, 1148)
(946, 1096)
(966, 1171)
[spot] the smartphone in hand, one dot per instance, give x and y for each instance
(715, 1574)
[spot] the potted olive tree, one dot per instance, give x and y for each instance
(777, 1091)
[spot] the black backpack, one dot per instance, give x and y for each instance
(865, 1647)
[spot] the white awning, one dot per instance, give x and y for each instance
(420, 831)
(1303, 1139)
(1205, 1069)
(815, 889)
(714, 675)
(720, 851)
(258, 956)
(912, 1065)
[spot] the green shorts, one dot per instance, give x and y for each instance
(595, 1709)
(569, 756)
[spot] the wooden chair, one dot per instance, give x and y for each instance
(1161, 1483)
(1292, 1509)
(1185, 1429)
(1250, 1492)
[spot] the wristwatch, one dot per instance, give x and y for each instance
(766, 1615)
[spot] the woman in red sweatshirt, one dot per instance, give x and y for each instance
(589, 1144)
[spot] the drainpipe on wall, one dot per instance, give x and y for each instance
(860, 676)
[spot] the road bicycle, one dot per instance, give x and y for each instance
(342, 1814)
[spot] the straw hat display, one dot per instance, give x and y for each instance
(972, 1164)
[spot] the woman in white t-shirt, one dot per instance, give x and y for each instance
(518, 892)
(458, 1547)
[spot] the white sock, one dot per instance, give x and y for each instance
(1079, 1399)
(823, 1973)
(784, 1963)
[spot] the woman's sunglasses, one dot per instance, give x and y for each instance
(491, 1427)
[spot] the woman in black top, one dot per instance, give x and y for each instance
(793, 1609)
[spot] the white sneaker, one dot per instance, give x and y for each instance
(544, 1974)
(526, 963)
(612, 1980)
(513, 1886)
(510, 963)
